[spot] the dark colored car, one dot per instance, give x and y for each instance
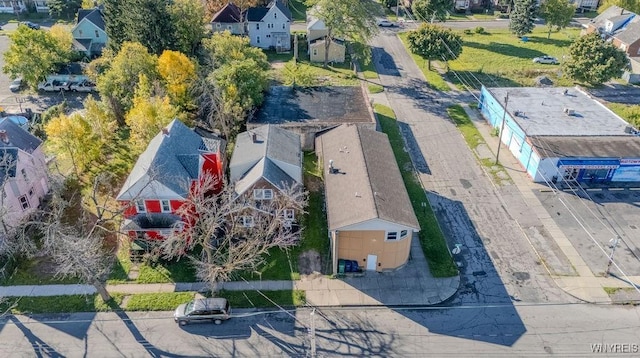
(213, 310)
(31, 25)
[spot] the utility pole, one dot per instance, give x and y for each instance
(313, 333)
(504, 115)
(614, 243)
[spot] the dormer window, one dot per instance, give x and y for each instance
(166, 206)
(140, 206)
(263, 194)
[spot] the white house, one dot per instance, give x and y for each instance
(23, 174)
(269, 27)
(18, 6)
(89, 36)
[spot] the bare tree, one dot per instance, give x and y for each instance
(75, 233)
(214, 111)
(233, 232)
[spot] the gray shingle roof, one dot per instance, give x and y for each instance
(18, 137)
(166, 166)
(630, 34)
(94, 15)
(282, 7)
(368, 184)
(280, 146)
(266, 169)
(255, 14)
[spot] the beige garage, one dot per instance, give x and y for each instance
(370, 217)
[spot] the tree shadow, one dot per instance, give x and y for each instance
(384, 62)
(40, 347)
(506, 49)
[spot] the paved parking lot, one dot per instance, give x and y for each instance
(37, 102)
(593, 217)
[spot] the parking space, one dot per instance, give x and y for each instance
(592, 218)
(38, 102)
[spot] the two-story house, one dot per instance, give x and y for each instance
(269, 27)
(89, 36)
(265, 161)
(23, 174)
(317, 41)
(229, 18)
(159, 184)
(19, 6)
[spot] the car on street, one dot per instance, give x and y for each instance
(53, 86)
(84, 86)
(384, 23)
(214, 310)
(31, 25)
(16, 85)
(546, 60)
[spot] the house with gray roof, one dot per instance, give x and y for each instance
(89, 35)
(270, 26)
(369, 214)
(159, 183)
(265, 159)
(609, 21)
(23, 174)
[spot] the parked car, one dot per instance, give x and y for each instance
(52, 86)
(546, 59)
(385, 23)
(213, 310)
(16, 85)
(31, 25)
(83, 87)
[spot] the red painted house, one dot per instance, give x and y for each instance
(160, 181)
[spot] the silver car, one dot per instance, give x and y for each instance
(213, 310)
(546, 59)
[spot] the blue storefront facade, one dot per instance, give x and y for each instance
(551, 158)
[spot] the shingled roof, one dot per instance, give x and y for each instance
(255, 14)
(17, 139)
(367, 183)
(93, 15)
(168, 164)
(230, 13)
(630, 34)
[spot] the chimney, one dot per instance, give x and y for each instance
(165, 131)
(254, 137)
(4, 137)
(332, 170)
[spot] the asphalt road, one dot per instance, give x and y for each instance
(498, 263)
(563, 330)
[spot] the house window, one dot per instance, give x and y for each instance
(80, 32)
(258, 39)
(275, 15)
(166, 206)
(24, 202)
(315, 52)
(218, 26)
(283, 26)
(257, 26)
(246, 221)
(97, 34)
(30, 192)
(392, 235)
(403, 234)
(289, 214)
(229, 27)
(140, 206)
(24, 175)
(268, 36)
(263, 194)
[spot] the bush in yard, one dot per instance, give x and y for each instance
(479, 30)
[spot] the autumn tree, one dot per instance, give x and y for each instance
(148, 115)
(72, 139)
(557, 13)
(522, 18)
(226, 233)
(223, 48)
(353, 20)
(435, 43)
(178, 73)
(34, 54)
(189, 24)
(431, 10)
(118, 75)
(593, 60)
(297, 75)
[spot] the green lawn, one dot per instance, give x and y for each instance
(374, 88)
(298, 10)
(630, 113)
(36, 271)
(165, 301)
(431, 237)
(253, 299)
(499, 58)
(434, 80)
(59, 304)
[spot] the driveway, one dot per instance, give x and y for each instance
(497, 262)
